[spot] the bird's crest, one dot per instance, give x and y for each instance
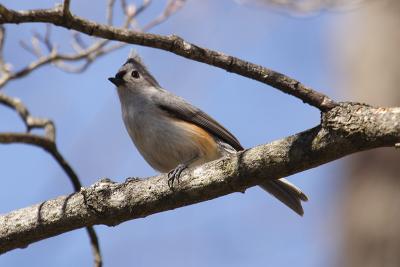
(133, 54)
(137, 62)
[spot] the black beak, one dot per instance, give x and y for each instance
(116, 81)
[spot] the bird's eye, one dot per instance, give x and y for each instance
(135, 74)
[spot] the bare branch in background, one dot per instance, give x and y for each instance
(345, 128)
(4, 68)
(29, 121)
(47, 143)
(87, 53)
(83, 52)
(110, 11)
(307, 7)
(172, 7)
(177, 46)
(46, 38)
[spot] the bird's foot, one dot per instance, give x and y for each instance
(175, 174)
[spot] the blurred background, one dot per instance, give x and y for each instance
(347, 51)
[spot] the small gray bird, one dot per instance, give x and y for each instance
(172, 134)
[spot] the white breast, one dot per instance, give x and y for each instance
(165, 142)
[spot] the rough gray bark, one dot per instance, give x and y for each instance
(347, 128)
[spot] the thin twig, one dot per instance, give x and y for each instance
(77, 43)
(46, 38)
(109, 12)
(36, 46)
(171, 8)
(145, 4)
(307, 7)
(66, 10)
(28, 48)
(3, 65)
(51, 58)
(88, 54)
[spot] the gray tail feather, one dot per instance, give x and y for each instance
(286, 192)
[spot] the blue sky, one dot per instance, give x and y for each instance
(251, 229)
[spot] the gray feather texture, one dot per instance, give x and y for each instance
(168, 131)
(177, 107)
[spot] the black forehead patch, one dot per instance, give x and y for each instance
(143, 71)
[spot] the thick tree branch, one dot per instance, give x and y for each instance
(347, 128)
(175, 45)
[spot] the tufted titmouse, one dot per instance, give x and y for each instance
(172, 134)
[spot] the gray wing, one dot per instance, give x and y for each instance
(177, 107)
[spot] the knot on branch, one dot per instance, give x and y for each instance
(176, 42)
(110, 200)
(353, 120)
(98, 195)
(345, 118)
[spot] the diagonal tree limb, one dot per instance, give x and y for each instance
(345, 129)
(175, 45)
